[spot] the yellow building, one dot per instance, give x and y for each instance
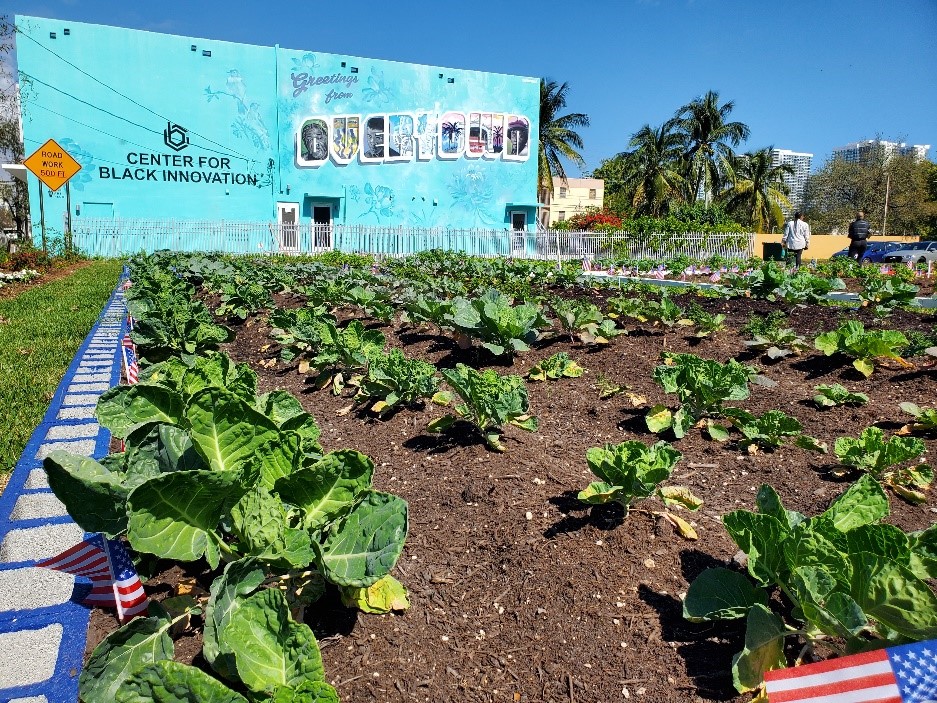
(574, 195)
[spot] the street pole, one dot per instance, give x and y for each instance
(68, 219)
(42, 219)
(887, 188)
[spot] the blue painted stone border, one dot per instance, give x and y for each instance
(62, 686)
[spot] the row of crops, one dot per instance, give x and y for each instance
(213, 470)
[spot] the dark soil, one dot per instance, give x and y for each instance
(521, 593)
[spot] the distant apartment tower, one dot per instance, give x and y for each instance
(862, 152)
(573, 196)
(796, 181)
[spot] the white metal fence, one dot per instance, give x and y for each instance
(110, 237)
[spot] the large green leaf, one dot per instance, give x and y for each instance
(891, 594)
(328, 487)
(279, 406)
(763, 651)
(172, 682)
(95, 498)
(277, 457)
(761, 537)
(364, 544)
(270, 648)
(307, 692)
(218, 371)
(863, 503)
(261, 524)
(176, 515)
(122, 408)
(832, 611)
(923, 562)
(720, 594)
(228, 591)
(769, 503)
(226, 431)
(153, 449)
(140, 642)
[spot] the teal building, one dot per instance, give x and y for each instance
(170, 127)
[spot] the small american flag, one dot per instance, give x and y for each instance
(126, 285)
(904, 674)
(114, 581)
(131, 368)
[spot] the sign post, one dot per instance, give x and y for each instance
(53, 166)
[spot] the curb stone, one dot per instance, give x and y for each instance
(43, 626)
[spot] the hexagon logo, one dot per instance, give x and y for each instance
(175, 136)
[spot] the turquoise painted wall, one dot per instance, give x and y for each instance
(164, 130)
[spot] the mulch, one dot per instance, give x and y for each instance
(521, 593)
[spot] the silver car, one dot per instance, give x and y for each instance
(916, 253)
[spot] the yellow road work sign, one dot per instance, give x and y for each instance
(52, 165)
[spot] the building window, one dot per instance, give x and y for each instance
(562, 192)
(561, 215)
(592, 194)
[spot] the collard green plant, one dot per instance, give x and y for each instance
(394, 381)
(297, 331)
(805, 288)
(768, 431)
(761, 283)
(427, 309)
(886, 293)
(925, 419)
(241, 298)
(706, 323)
(489, 401)
(500, 326)
(344, 350)
(701, 385)
(582, 320)
(829, 396)
(633, 471)
(846, 575)
(882, 458)
(663, 312)
(555, 367)
(374, 303)
(778, 343)
(868, 348)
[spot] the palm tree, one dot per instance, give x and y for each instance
(652, 168)
(758, 191)
(708, 141)
(558, 136)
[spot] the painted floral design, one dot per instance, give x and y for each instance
(305, 64)
(376, 90)
(380, 202)
(472, 192)
(249, 122)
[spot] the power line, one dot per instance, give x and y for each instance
(127, 120)
(126, 97)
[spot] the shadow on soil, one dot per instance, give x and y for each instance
(707, 648)
(817, 366)
(602, 517)
(461, 434)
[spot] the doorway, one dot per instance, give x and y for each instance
(322, 226)
(288, 221)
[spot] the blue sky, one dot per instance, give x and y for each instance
(804, 75)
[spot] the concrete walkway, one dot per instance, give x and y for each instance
(42, 625)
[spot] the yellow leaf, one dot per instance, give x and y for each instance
(303, 367)
(684, 528)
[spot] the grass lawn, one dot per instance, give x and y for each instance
(40, 331)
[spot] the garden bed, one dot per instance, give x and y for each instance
(519, 591)
(572, 604)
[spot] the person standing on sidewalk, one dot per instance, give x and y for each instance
(796, 237)
(858, 237)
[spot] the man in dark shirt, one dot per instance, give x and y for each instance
(858, 235)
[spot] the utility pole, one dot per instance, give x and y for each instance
(887, 188)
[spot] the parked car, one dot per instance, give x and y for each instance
(874, 253)
(917, 253)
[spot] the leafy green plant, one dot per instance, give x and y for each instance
(805, 288)
(240, 299)
(846, 575)
(886, 293)
(766, 432)
(343, 350)
(372, 302)
(701, 385)
(427, 309)
(706, 323)
(881, 458)
(761, 283)
(394, 381)
(297, 331)
(925, 419)
(868, 348)
(919, 343)
(489, 401)
(502, 328)
(555, 367)
(663, 312)
(829, 396)
(584, 320)
(633, 471)
(778, 343)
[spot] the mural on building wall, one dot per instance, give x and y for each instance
(248, 122)
(472, 194)
(377, 91)
(84, 176)
(379, 200)
(390, 137)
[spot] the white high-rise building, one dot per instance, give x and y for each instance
(861, 152)
(796, 181)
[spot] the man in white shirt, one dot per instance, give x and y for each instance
(796, 237)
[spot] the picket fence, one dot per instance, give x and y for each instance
(122, 237)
